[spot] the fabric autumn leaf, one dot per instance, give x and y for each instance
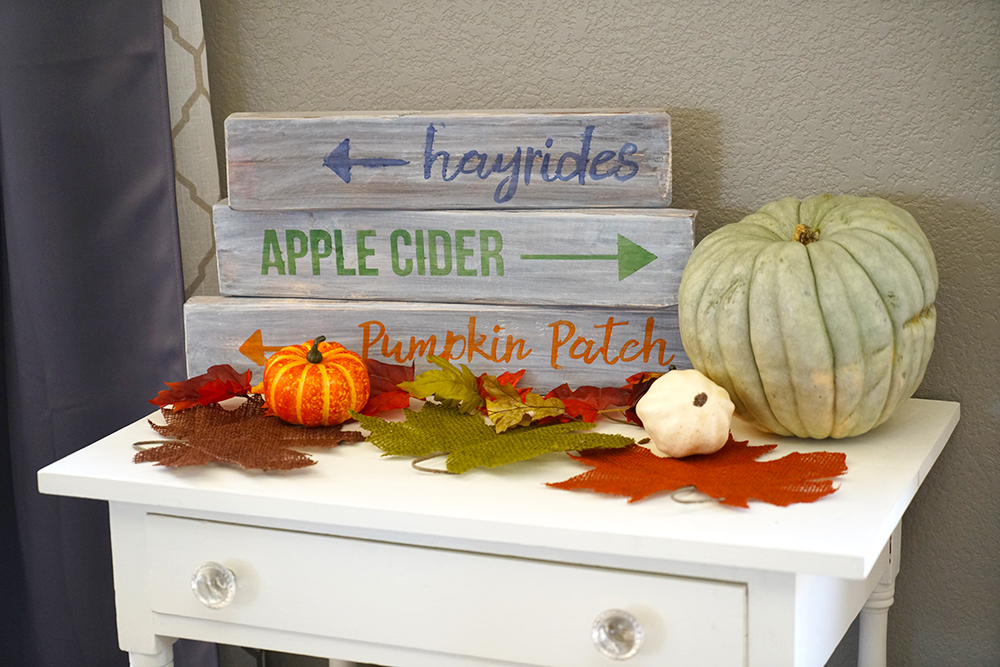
(638, 385)
(244, 436)
(589, 403)
(732, 475)
(507, 407)
(506, 379)
(469, 442)
(450, 386)
(385, 393)
(217, 384)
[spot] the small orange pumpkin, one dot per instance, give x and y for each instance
(316, 383)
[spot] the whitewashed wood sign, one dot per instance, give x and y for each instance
(581, 346)
(447, 160)
(598, 257)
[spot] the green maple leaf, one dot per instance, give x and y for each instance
(507, 409)
(450, 386)
(470, 442)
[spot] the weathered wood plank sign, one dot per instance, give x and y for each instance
(447, 160)
(598, 257)
(581, 346)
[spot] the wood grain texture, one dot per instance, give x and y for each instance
(597, 257)
(581, 346)
(468, 159)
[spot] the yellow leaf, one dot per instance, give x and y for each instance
(449, 386)
(508, 409)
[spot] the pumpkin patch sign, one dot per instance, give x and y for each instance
(578, 345)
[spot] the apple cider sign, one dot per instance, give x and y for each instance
(528, 240)
(595, 257)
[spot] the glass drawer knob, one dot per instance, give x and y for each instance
(214, 585)
(617, 634)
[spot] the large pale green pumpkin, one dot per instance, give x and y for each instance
(816, 316)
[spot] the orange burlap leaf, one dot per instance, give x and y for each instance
(732, 475)
(244, 436)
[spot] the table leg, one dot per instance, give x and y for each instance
(874, 618)
(164, 658)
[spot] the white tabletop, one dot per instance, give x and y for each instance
(353, 490)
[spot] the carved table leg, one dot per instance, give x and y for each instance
(875, 614)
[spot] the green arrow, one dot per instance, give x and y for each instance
(631, 257)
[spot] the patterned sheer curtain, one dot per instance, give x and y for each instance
(195, 167)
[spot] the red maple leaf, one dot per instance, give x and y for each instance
(588, 403)
(732, 475)
(217, 384)
(638, 385)
(505, 379)
(385, 393)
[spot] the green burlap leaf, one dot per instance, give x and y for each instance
(470, 442)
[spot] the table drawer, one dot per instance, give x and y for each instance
(467, 604)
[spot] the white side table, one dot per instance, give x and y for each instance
(361, 558)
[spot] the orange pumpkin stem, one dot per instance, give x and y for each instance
(314, 355)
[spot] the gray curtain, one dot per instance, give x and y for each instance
(92, 301)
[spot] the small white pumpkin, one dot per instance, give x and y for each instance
(685, 413)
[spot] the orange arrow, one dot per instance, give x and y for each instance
(253, 348)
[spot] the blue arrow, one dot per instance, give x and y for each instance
(340, 161)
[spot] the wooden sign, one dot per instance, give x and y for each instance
(465, 160)
(581, 346)
(599, 257)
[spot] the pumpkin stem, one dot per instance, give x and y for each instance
(805, 234)
(314, 355)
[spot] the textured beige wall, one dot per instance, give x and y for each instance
(897, 98)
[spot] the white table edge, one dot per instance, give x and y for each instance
(59, 478)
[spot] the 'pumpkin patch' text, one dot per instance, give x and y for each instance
(611, 345)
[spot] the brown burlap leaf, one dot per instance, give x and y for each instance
(244, 436)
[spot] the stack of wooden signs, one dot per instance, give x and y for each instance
(528, 240)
